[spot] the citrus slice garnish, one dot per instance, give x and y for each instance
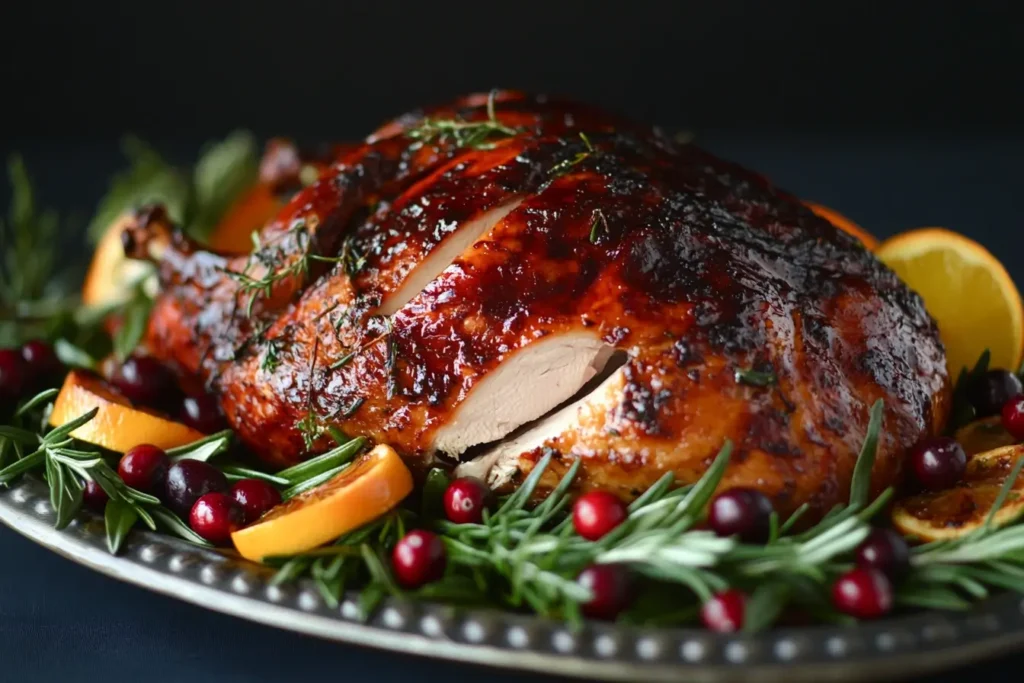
(845, 224)
(111, 274)
(954, 512)
(984, 435)
(372, 485)
(966, 290)
(249, 212)
(118, 425)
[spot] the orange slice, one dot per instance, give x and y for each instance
(118, 426)
(968, 292)
(955, 512)
(845, 224)
(111, 274)
(369, 487)
(249, 212)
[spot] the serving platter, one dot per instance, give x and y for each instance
(890, 649)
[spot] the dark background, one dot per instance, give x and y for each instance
(898, 114)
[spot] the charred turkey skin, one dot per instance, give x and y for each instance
(579, 232)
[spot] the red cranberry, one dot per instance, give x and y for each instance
(188, 480)
(214, 516)
(418, 558)
(741, 512)
(938, 462)
(596, 513)
(13, 375)
(1013, 417)
(863, 593)
(724, 612)
(94, 497)
(41, 362)
(202, 412)
(144, 468)
(465, 500)
(254, 497)
(144, 380)
(990, 392)
(885, 550)
(611, 587)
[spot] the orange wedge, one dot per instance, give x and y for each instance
(845, 224)
(966, 289)
(118, 426)
(250, 211)
(369, 487)
(111, 274)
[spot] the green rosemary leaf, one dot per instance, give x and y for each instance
(328, 461)
(432, 494)
(19, 467)
(793, 519)
(860, 486)
(203, 449)
(62, 432)
(74, 356)
(773, 527)
(18, 435)
(135, 316)
(222, 174)
(39, 399)
(379, 574)
(930, 596)
(291, 570)
(168, 521)
(598, 226)
(765, 606)
(236, 472)
(519, 498)
(119, 518)
(1004, 492)
(754, 378)
(312, 482)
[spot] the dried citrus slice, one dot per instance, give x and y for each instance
(845, 224)
(984, 435)
(118, 425)
(250, 211)
(956, 511)
(111, 274)
(966, 289)
(373, 484)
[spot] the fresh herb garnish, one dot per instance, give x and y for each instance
(472, 134)
(272, 264)
(564, 166)
(598, 226)
(754, 378)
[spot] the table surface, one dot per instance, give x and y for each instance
(59, 621)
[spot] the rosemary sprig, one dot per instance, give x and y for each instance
(272, 264)
(66, 465)
(564, 166)
(461, 133)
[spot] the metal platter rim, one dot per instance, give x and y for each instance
(894, 648)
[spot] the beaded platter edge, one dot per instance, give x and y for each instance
(893, 648)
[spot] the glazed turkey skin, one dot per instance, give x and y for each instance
(570, 283)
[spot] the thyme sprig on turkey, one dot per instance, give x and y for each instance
(461, 133)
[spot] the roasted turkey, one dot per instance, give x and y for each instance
(482, 283)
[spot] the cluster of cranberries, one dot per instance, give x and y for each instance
(195, 490)
(33, 366)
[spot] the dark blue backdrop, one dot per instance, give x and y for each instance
(59, 621)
